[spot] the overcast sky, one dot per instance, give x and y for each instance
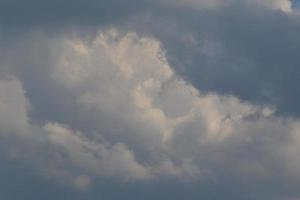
(149, 99)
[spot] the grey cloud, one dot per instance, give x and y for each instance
(95, 109)
(18, 15)
(248, 48)
(245, 51)
(243, 48)
(145, 124)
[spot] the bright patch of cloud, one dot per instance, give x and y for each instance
(151, 123)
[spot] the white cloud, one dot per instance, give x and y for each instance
(157, 126)
(283, 5)
(13, 107)
(127, 80)
(96, 157)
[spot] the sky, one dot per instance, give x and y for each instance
(296, 3)
(149, 99)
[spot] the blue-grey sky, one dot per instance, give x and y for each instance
(296, 3)
(149, 99)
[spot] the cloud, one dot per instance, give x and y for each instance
(180, 96)
(14, 107)
(56, 14)
(244, 49)
(145, 122)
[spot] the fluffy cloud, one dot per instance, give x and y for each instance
(246, 49)
(146, 123)
(188, 92)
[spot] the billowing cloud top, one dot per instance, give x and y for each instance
(140, 99)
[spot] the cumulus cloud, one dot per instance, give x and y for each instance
(146, 122)
(245, 49)
(197, 93)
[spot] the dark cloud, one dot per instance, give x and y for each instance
(251, 53)
(240, 48)
(57, 14)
